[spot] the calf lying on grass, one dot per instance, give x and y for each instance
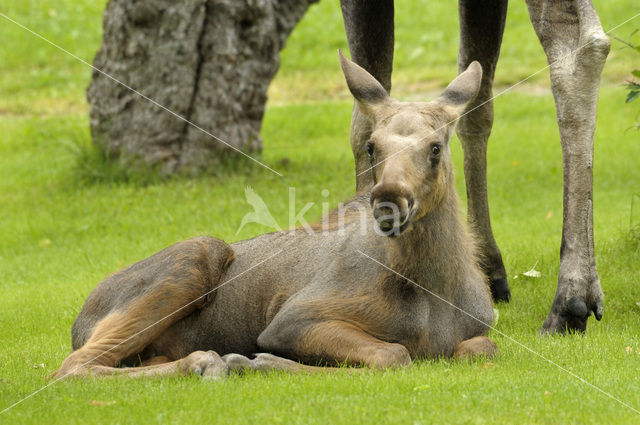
(370, 289)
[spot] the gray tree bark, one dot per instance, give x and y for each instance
(208, 61)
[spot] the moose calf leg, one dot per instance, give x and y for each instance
(332, 341)
(481, 28)
(162, 289)
(265, 362)
(207, 364)
(576, 49)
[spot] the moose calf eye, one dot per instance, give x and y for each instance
(435, 149)
(369, 148)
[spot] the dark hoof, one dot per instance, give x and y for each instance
(572, 317)
(500, 290)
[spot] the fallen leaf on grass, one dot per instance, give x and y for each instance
(487, 365)
(533, 272)
(547, 393)
(102, 403)
(629, 350)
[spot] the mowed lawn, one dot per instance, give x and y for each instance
(67, 220)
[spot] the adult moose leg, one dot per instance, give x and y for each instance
(369, 27)
(481, 28)
(576, 49)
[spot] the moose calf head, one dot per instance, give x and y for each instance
(409, 146)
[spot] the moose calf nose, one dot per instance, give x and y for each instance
(391, 215)
(391, 205)
(387, 216)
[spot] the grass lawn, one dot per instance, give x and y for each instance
(66, 222)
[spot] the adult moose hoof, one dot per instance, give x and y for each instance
(570, 312)
(500, 289)
(495, 271)
(208, 364)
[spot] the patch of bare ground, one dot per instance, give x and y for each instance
(46, 107)
(299, 92)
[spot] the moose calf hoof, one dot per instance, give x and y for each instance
(66, 373)
(208, 364)
(391, 356)
(475, 347)
(237, 362)
(266, 362)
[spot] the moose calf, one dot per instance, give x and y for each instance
(399, 283)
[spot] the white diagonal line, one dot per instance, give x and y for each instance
(500, 94)
(140, 94)
(584, 381)
(137, 333)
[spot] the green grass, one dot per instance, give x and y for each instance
(67, 220)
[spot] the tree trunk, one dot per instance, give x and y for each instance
(208, 61)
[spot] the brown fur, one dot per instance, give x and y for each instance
(340, 339)
(475, 347)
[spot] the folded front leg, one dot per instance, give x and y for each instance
(332, 341)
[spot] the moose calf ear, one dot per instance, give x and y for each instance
(367, 91)
(463, 89)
